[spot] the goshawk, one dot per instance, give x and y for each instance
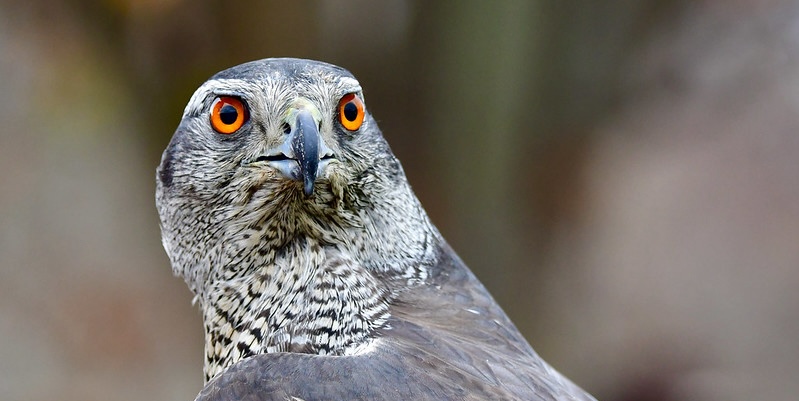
(318, 273)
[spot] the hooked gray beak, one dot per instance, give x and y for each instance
(305, 143)
(303, 154)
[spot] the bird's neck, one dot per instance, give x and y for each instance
(322, 292)
(309, 299)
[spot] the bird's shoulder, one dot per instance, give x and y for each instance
(446, 339)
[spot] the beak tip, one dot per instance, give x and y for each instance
(308, 185)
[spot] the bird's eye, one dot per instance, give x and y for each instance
(351, 111)
(228, 114)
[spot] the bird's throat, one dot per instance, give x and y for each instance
(308, 300)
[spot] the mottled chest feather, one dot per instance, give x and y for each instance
(310, 299)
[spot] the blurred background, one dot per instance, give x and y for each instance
(622, 175)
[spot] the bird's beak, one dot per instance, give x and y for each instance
(305, 142)
(303, 155)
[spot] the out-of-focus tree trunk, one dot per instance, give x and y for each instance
(511, 91)
(479, 62)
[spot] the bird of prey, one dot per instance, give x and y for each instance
(318, 272)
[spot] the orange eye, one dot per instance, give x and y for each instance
(228, 114)
(350, 112)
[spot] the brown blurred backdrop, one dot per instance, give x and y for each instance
(622, 175)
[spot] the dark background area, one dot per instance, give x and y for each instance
(622, 175)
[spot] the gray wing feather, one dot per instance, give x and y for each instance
(446, 340)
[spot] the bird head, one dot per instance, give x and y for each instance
(271, 151)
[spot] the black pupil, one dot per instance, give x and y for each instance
(228, 114)
(350, 111)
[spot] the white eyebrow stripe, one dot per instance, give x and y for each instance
(240, 86)
(350, 82)
(213, 86)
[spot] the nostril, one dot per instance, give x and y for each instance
(286, 128)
